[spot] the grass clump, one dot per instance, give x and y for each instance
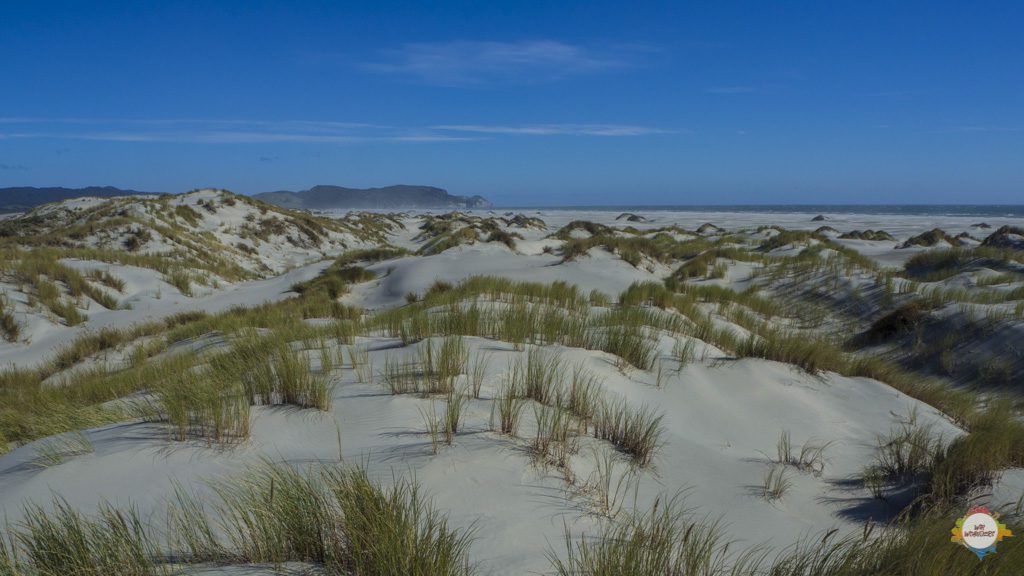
(8, 323)
(57, 449)
(814, 356)
(271, 372)
(554, 441)
(180, 279)
(334, 517)
(61, 540)
(629, 344)
(636, 432)
(541, 375)
(666, 540)
(107, 279)
(775, 483)
(506, 410)
(810, 457)
(669, 541)
(611, 488)
(204, 406)
(334, 282)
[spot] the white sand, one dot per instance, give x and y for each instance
(722, 417)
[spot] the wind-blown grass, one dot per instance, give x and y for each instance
(61, 540)
(57, 449)
(635, 431)
(335, 517)
(670, 540)
(204, 406)
(664, 541)
(507, 409)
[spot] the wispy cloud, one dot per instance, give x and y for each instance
(557, 129)
(192, 131)
(213, 131)
(469, 62)
(13, 167)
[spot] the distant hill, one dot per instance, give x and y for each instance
(21, 199)
(400, 196)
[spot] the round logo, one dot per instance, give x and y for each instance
(979, 531)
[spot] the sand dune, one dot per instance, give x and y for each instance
(704, 365)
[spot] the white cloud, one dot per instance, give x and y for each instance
(216, 131)
(557, 129)
(231, 131)
(469, 62)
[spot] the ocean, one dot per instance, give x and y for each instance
(979, 210)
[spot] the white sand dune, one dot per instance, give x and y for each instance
(722, 423)
(722, 417)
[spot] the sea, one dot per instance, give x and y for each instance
(974, 210)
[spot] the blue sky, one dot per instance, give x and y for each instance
(527, 103)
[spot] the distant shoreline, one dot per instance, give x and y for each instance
(994, 210)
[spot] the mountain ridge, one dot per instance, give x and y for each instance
(23, 198)
(323, 197)
(320, 197)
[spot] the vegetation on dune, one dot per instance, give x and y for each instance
(166, 234)
(445, 231)
(339, 519)
(873, 235)
(671, 539)
(31, 408)
(334, 517)
(933, 237)
(935, 265)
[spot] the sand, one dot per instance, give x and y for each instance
(722, 417)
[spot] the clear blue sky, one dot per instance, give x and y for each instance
(525, 103)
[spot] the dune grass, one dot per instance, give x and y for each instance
(775, 483)
(9, 325)
(271, 371)
(555, 439)
(478, 371)
(335, 517)
(665, 540)
(810, 457)
(684, 352)
(435, 371)
(635, 431)
(541, 375)
(61, 540)
(205, 406)
(670, 539)
(936, 265)
(611, 488)
(57, 449)
(507, 409)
